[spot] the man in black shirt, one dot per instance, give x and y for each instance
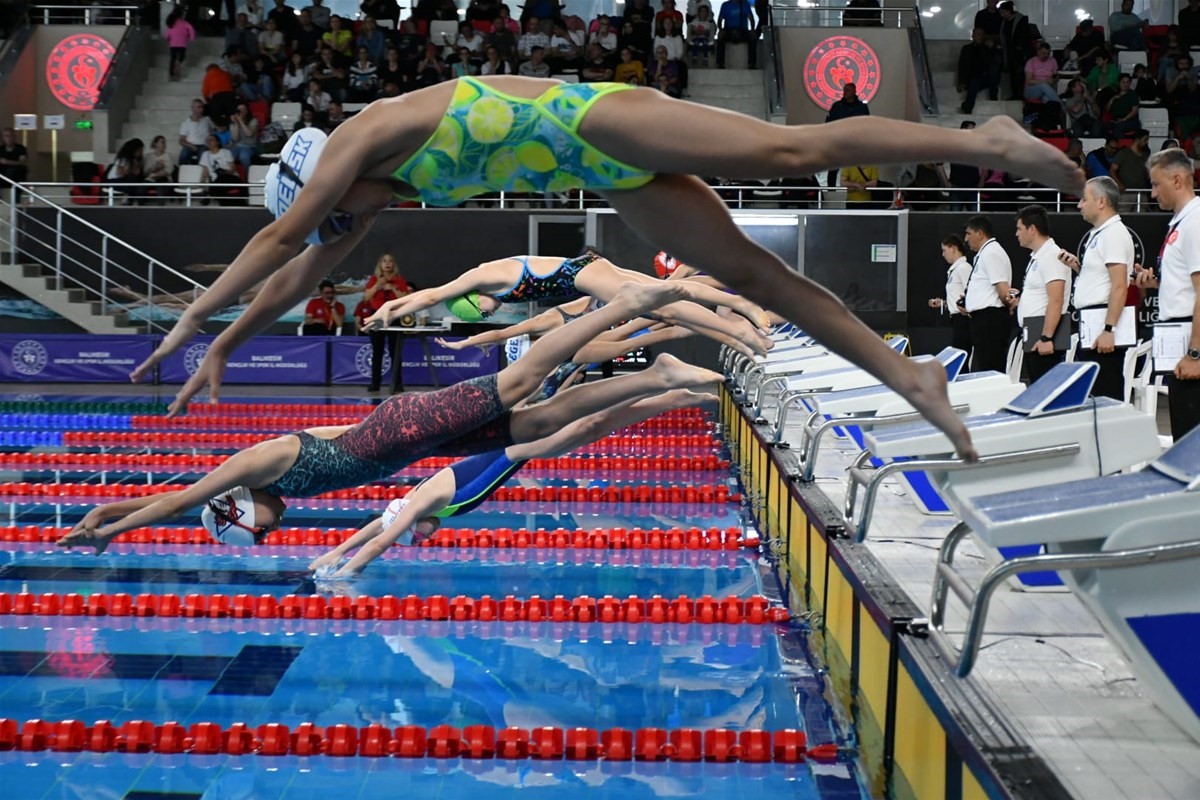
(307, 36)
(1087, 44)
(988, 18)
(1016, 44)
(285, 19)
(865, 18)
(1189, 23)
(978, 69)
(848, 106)
(14, 159)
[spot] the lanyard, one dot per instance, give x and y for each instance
(975, 261)
(1171, 236)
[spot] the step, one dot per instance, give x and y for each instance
(142, 117)
(180, 104)
(725, 90)
(699, 76)
(753, 107)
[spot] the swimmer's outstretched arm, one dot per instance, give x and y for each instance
(428, 498)
(538, 325)
(599, 350)
(421, 299)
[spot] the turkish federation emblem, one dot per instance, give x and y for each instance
(837, 61)
(76, 67)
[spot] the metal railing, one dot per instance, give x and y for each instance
(736, 196)
(36, 231)
(94, 13)
(806, 14)
(920, 54)
(773, 68)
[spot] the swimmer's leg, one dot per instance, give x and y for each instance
(602, 277)
(682, 215)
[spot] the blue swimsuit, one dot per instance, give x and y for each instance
(557, 286)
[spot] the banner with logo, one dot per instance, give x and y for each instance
(295, 360)
(350, 360)
(424, 361)
(71, 358)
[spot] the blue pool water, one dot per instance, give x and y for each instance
(397, 672)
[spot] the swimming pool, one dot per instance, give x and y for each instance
(531, 695)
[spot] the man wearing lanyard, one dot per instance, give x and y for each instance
(1103, 282)
(1044, 293)
(987, 297)
(1172, 184)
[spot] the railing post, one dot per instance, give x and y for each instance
(150, 280)
(104, 274)
(58, 237)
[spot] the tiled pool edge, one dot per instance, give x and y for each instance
(923, 734)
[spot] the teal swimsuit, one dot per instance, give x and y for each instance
(491, 142)
(557, 286)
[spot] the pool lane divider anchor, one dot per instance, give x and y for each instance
(730, 539)
(656, 610)
(786, 746)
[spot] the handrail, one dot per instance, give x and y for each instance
(926, 90)
(132, 40)
(736, 196)
(22, 234)
(808, 14)
(13, 47)
(773, 69)
(95, 13)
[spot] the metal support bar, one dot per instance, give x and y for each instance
(810, 441)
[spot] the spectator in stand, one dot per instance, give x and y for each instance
(513, 26)
(1189, 23)
(284, 17)
(330, 73)
(859, 181)
(271, 43)
(193, 133)
(1129, 168)
(217, 91)
(536, 66)
(1074, 152)
(630, 69)
(157, 164)
(503, 40)
(1016, 45)
(668, 12)
(482, 10)
(1083, 117)
(1183, 96)
(565, 51)
(218, 163)
(127, 169)
(702, 30)
(545, 10)
(317, 99)
(260, 81)
(1099, 161)
(1168, 60)
(431, 69)
(470, 39)
(1143, 85)
(383, 287)
(639, 16)
(14, 157)
(392, 70)
(989, 20)
(370, 37)
(295, 78)
(533, 37)
(848, 106)
(307, 36)
(668, 35)
(1124, 107)
(735, 25)
(339, 37)
(1087, 44)
(364, 78)
(410, 44)
(324, 314)
(1102, 81)
(604, 35)
(390, 89)
(179, 34)
(597, 67)
(862, 14)
(241, 36)
(387, 10)
(978, 69)
(1125, 27)
(664, 73)
(1041, 73)
(319, 14)
(463, 64)
(254, 13)
(494, 64)
(308, 119)
(244, 127)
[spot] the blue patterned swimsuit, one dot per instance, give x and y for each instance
(558, 286)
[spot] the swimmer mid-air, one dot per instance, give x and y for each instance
(466, 484)
(244, 495)
(446, 143)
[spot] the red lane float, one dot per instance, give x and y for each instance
(657, 610)
(787, 746)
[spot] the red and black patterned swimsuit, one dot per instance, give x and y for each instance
(463, 419)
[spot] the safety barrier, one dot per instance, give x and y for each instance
(787, 746)
(656, 610)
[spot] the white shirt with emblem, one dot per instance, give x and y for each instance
(1180, 260)
(956, 284)
(1111, 243)
(991, 266)
(1044, 268)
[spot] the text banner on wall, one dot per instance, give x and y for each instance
(448, 366)
(295, 360)
(350, 360)
(70, 358)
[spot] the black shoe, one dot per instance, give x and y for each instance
(374, 387)
(964, 108)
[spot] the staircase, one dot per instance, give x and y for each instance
(943, 62)
(71, 304)
(739, 90)
(164, 104)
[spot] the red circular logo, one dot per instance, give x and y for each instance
(837, 61)
(75, 68)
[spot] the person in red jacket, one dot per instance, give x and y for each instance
(324, 314)
(386, 284)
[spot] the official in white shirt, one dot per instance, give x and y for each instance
(1173, 185)
(954, 251)
(987, 297)
(1044, 295)
(1103, 281)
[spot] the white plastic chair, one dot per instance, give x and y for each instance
(1140, 390)
(192, 174)
(1072, 349)
(353, 108)
(256, 176)
(1156, 121)
(1128, 59)
(1016, 360)
(443, 32)
(286, 114)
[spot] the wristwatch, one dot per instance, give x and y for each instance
(1193, 354)
(1045, 338)
(1108, 328)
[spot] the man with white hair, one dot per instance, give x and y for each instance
(1173, 185)
(1103, 285)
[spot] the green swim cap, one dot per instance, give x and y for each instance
(466, 307)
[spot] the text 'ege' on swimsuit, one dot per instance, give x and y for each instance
(489, 141)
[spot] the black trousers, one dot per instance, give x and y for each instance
(1037, 365)
(380, 340)
(991, 330)
(1110, 382)
(1184, 401)
(960, 332)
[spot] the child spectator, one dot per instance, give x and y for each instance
(179, 34)
(597, 68)
(217, 163)
(317, 99)
(463, 64)
(630, 70)
(701, 33)
(533, 37)
(295, 78)
(536, 66)
(664, 73)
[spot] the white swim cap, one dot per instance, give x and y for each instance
(292, 171)
(389, 516)
(229, 518)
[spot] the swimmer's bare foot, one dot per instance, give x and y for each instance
(1018, 152)
(929, 396)
(677, 374)
(640, 298)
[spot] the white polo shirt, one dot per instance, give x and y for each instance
(1111, 243)
(1044, 268)
(991, 266)
(1180, 260)
(956, 284)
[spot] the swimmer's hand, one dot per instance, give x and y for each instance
(180, 335)
(381, 318)
(210, 373)
(325, 564)
(457, 344)
(87, 533)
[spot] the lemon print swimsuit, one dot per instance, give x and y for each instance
(490, 142)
